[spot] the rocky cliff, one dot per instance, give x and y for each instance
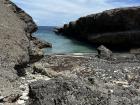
(119, 26)
(17, 46)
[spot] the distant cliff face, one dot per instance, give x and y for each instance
(113, 27)
(16, 44)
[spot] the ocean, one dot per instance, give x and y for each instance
(62, 44)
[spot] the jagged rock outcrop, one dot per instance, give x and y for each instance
(119, 26)
(16, 44)
(30, 24)
(64, 91)
(86, 80)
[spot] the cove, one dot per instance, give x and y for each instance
(62, 44)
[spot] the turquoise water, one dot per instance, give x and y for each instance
(62, 44)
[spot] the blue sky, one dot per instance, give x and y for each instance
(58, 12)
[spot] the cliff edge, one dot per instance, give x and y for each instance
(17, 46)
(120, 26)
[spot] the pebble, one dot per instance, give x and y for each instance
(25, 98)
(111, 91)
(1, 97)
(121, 83)
(21, 102)
(22, 78)
(22, 87)
(46, 79)
(125, 86)
(29, 81)
(25, 94)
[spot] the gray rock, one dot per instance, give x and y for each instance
(35, 53)
(40, 43)
(30, 24)
(63, 91)
(104, 52)
(25, 98)
(14, 46)
(16, 28)
(36, 46)
(116, 27)
(21, 102)
(40, 68)
(117, 81)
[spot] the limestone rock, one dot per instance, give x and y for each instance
(103, 52)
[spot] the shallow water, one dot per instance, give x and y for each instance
(62, 44)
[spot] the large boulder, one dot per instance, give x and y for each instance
(119, 26)
(104, 52)
(64, 91)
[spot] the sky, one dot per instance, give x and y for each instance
(59, 12)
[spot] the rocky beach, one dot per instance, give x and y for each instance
(28, 77)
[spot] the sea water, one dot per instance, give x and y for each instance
(62, 44)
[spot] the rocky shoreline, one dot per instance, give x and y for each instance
(60, 78)
(115, 27)
(28, 77)
(79, 79)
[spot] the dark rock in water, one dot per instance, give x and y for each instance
(103, 52)
(119, 26)
(56, 30)
(40, 43)
(63, 91)
(36, 46)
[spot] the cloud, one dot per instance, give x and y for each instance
(52, 12)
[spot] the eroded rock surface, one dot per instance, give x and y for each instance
(119, 26)
(63, 91)
(16, 28)
(85, 79)
(62, 79)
